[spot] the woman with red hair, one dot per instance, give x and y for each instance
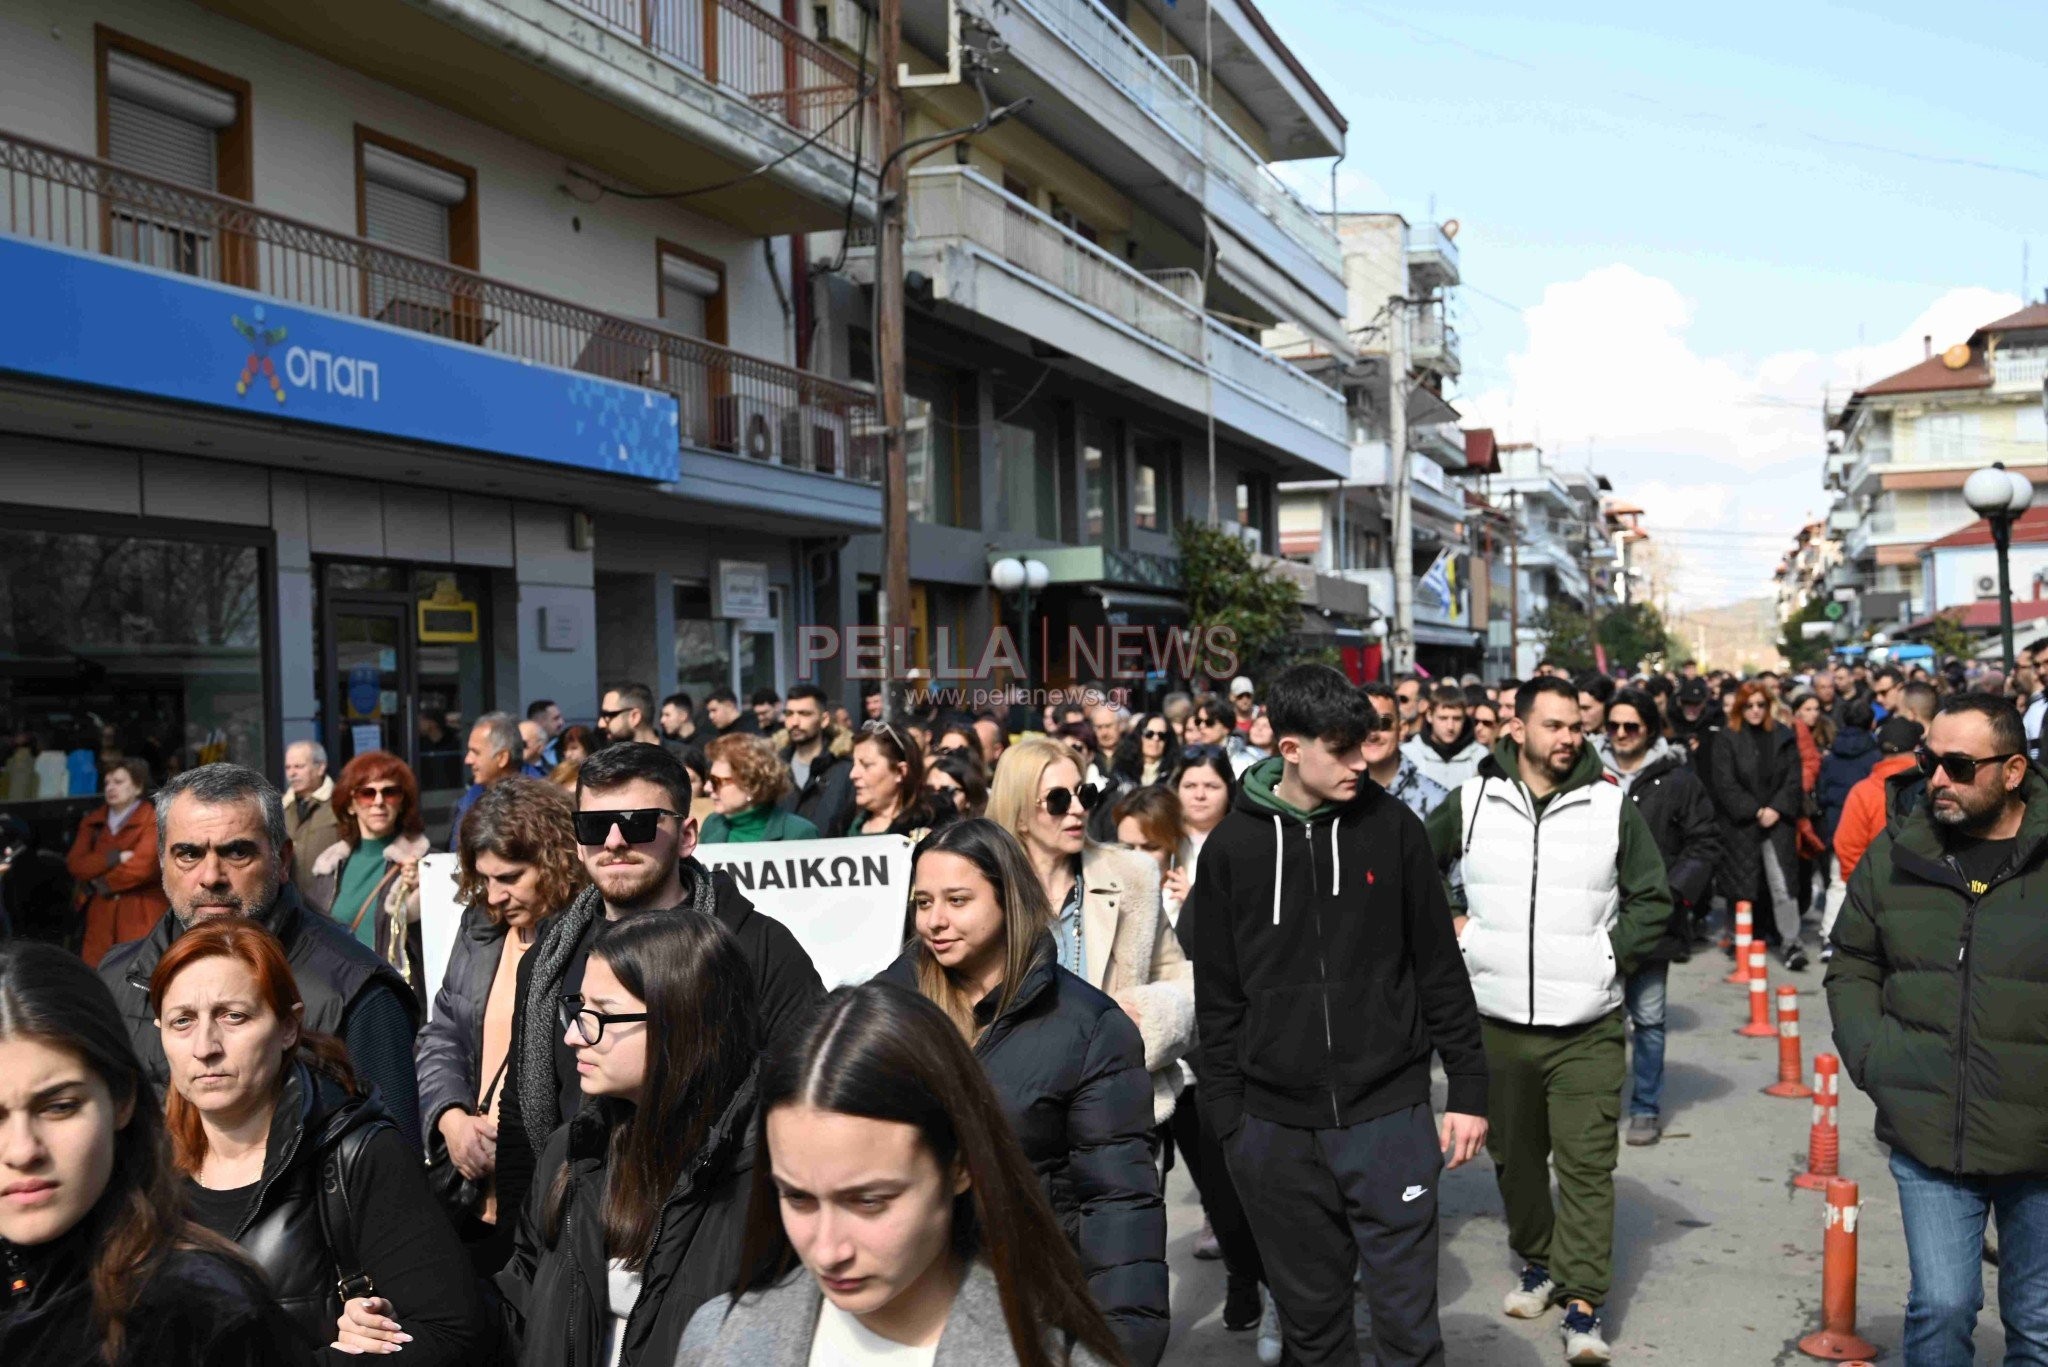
(369, 880)
(1755, 780)
(283, 1154)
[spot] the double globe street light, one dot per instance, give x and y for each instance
(1999, 496)
(1021, 580)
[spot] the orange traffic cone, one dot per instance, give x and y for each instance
(1759, 1025)
(1837, 1340)
(1744, 929)
(1788, 1083)
(1824, 1143)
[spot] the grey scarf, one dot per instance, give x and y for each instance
(539, 1095)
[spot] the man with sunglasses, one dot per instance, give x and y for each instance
(626, 713)
(637, 842)
(1937, 989)
(1386, 761)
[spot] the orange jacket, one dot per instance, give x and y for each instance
(1863, 813)
(134, 898)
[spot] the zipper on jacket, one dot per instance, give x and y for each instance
(1963, 999)
(1535, 862)
(1323, 970)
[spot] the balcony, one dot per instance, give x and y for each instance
(1432, 491)
(2019, 370)
(1842, 519)
(736, 405)
(1433, 343)
(657, 93)
(1016, 271)
(1432, 258)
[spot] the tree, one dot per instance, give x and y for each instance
(1799, 652)
(1633, 633)
(1567, 635)
(1226, 589)
(1950, 638)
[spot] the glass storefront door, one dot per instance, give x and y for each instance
(372, 665)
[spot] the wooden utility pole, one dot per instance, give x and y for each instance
(894, 599)
(1514, 583)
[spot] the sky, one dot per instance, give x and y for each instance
(1680, 225)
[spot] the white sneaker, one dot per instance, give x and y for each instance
(1530, 1300)
(1271, 1345)
(1584, 1345)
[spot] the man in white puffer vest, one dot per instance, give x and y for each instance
(1562, 893)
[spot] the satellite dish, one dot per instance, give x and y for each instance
(1957, 356)
(1450, 229)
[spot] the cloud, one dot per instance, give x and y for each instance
(1723, 453)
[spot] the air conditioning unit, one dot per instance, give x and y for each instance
(838, 21)
(747, 426)
(816, 439)
(1987, 586)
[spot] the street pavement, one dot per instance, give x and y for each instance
(1717, 1254)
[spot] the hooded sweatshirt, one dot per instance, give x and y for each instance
(1445, 765)
(1325, 967)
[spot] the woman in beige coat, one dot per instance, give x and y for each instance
(1108, 923)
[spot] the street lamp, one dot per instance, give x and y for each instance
(1999, 495)
(1021, 580)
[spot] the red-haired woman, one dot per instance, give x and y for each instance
(282, 1154)
(114, 861)
(369, 880)
(1755, 780)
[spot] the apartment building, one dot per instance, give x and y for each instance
(1088, 280)
(370, 367)
(1804, 573)
(1901, 448)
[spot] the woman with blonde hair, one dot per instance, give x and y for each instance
(1066, 1064)
(748, 780)
(1109, 924)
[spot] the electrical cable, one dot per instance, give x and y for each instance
(853, 194)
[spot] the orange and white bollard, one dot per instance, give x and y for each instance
(1824, 1144)
(1837, 1340)
(1759, 1026)
(1744, 936)
(1788, 1083)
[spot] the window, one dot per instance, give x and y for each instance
(1072, 222)
(1254, 504)
(175, 120)
(1154, 499)
(126, 645)
(860, 355)
(692, 292)
(703, 643)
(1102, 522)
(424, 205)
(1948, 438)
(1027, 457)
(933, 439)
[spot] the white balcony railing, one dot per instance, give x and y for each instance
(958, 202)
(2025, 369)
(1101, 38)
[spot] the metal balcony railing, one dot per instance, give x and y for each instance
(958, 202)
(743, 47)
(1434, 342)
(729, 402)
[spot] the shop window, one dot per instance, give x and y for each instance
(1155, 465)
(1027, 456)
(1254, 505)
(1102, 482)
(934, 439)
(115, 646)
(722, 652)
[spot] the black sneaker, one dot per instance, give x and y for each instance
(1795, 958)
(1241, 1306)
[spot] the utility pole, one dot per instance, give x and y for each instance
(894, 601)
(1514, 583)
(1403, 641)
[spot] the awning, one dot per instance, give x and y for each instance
(1122, 608)
(1332, 630)
(1428, 634)
(1427, 410)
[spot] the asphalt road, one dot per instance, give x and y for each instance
(1717, 1254)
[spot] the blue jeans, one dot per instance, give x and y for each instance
(1944, 1217)
(1643, 992)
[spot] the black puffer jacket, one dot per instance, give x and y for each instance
(827, 794)
(198, 1309)
(557, 1296)
(1675, 806)
(400, 1240)
(1848, 761)
(1744, 781)
(1069, 1068)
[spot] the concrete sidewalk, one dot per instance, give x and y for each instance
(1717, 1254)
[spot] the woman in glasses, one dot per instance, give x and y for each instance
(894, 1216)
(1755, 782)
(1146, 755)
(1066, 1064)
(284, 1153)
(517, 849)
(634, 1220)
(748, 781)
(1486, 723)
(889, 794)
(369, 879)
(956, 777)
(1109, 925)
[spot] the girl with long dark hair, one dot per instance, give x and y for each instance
(889, 796)
(894, 1217)
(634, 1221)
(102, 1269)
(1067, 1064)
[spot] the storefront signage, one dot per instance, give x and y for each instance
(95, 321)
(741, 589)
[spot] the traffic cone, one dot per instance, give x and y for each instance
(1759, 1026)
(1837, 1340)
(1744, 928)
(1788, 1083)
(1824, 1143)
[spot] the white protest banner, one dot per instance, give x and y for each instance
(440, 916)
(844, 900)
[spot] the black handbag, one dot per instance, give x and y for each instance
(462, 1198)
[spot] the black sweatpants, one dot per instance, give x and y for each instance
(1199, 1149)
(1321, 1202)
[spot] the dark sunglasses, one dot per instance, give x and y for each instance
(1201, 752)
(589, 1025)
(387, 792)
(1381, 721)
(1624, 728)
(1150, 734)
(1959, 768)
(604, 717)
(637, 825)
(1060, 801)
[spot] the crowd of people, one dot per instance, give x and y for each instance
(1237, 933)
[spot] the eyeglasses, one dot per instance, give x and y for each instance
(1381, 721)
(371, 793)
(637, 825)
(1202, 752)
(1150, 734)
(1060, 801)
(719, 781)
(604, 718)
(1624, 728)
(1959, 768)
(882, 728)
(589, 1025)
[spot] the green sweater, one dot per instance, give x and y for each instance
(756, 824)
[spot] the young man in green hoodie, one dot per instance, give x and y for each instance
(1326, 973)
(1563, 893)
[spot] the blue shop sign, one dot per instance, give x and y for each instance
(88, 319)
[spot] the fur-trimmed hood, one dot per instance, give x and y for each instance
(407, 849)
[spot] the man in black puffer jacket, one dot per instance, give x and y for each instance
(1326, 972)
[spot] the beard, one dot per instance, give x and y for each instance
(629, 885)
(205, 906)
(1964, 808)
